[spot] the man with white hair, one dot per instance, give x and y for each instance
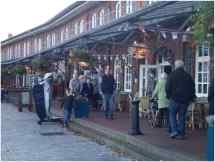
(180, 89)
(74, 84)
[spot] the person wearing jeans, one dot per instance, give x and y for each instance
(68, 106)
(108, 104)
(108, 88)
(180, 109)
(180, 90)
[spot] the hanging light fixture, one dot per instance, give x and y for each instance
(139, 52)
(174, 35)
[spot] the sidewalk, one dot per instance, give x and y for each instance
(155, 143)
(195, 144)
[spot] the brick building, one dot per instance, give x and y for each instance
(114, 31)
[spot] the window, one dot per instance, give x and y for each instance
(102, 17)
(28, 47)
(94, 21)
(17, 50)
(76, 28)
(35, 46)
(149, 3)
(128, 74)
(8, 53)
(39, 44)
(62, 35)
(48, 41)
(118, 9)
(81, 26)
(67, 32)
(24, 49)
(129, 7)
(108, 15)
(11, 53)
(117, 69)
(53, 39)
(202, 70)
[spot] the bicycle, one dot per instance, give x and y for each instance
(152, 112)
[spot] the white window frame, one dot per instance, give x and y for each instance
(202, 60)
(129, 6)
(48, 41)
(102, 17)
(76, 30)
(39, 44)
(117, 68)
(149, 2)
(62, 35)
(35, 45)
(118, 9)
(15, 55)
(17, 49)
(67, 32)
(24, 49)
(28, 47)
(82, 26)
(128, 74)
(10, 52)
(94, 19)
(53, 39)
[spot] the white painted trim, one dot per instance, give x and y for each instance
(201, 59)
(147, 67)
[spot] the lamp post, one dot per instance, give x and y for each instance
(135, 120)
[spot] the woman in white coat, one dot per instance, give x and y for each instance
(47, 92)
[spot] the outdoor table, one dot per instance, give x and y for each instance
(200, 103)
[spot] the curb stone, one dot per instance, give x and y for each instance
(139, 149)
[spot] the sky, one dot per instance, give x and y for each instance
(17, 16)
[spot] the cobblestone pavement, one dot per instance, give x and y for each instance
(22, 140)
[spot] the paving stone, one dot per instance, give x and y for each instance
(22, 141)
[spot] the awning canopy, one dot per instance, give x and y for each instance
(160, 13)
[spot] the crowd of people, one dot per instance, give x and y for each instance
(98, 90)
(174, 91)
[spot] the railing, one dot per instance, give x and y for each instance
(18, 81)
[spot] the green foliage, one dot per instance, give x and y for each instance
(19, 69)
(202, 20)
(40, 64)
(81, 55)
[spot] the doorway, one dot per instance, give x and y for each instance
(148, 77)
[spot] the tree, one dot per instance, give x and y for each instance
(203, 21)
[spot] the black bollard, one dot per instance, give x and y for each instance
(135, 121)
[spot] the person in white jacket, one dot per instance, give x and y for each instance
(47, 92)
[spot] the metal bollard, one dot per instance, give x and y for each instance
(135, 121)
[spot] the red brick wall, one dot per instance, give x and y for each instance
(86, 16)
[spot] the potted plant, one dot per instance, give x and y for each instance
(40, 65)
(81, 57)
(19, 70)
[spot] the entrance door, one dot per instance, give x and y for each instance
(148, 77)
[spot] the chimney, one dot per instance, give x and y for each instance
(10, 35)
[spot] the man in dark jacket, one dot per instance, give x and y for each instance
(108, 88)
(180, 89)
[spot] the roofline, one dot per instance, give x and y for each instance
(141, 12)
(53, 19)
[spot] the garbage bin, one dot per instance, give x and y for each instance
(82, 108)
